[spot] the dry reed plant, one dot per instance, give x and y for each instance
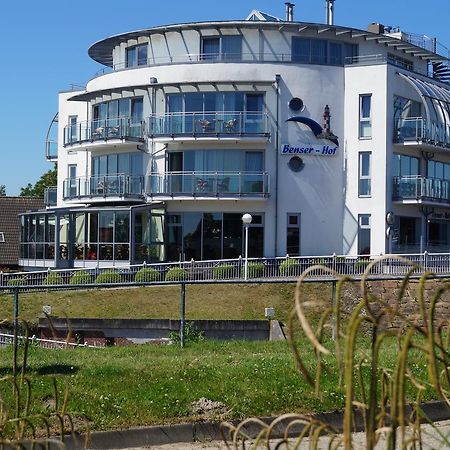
(387, 400)
(20, 428)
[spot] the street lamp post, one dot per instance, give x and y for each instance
(246, 220)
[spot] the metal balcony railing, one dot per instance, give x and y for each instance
(419, 129)
(234, 123)
(50, 196)
(416, 187)
(208, 184)
(127, 128)
(104, 186)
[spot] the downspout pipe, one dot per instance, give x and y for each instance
(277, 146)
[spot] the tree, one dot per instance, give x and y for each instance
(2, 190)
(48, 179)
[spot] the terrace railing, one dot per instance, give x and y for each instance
(208, 183)
(416, 187)
(50, 196)
(322, 269)
(124, 128)
(419, 129)
(232, 123)
(104, 186)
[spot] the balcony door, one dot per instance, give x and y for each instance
(72, 175)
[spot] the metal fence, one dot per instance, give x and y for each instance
(8, 339)
(321, 268)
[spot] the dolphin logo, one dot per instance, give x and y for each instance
(318, 131)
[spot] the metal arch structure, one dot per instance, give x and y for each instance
(47, 137)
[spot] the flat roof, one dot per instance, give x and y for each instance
(102, 50)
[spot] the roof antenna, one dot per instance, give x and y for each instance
(330, 12)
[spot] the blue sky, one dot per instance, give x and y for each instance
(44, 50)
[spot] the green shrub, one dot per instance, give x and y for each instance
(81, 277)
(19, 281)
(190, 335)
(255, 269)
(289, 268)
(223, 272)
(176, 274)
(146, 274)
(53, 278)
(108, 276)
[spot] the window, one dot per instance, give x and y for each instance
(293, 235)
(137, 55)
(72, 129)
(399, 62)
(72, 176)
(365, 116)
(364, 234)
(364, 187)
(195, 235)
(438, 170)
(221, 48)
(322, 51)
(2, 237)
(404, 165)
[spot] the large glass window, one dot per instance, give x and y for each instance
(117, 163)
(404, 165)
(365, 116)
(222, 48)
(364, 187)
(438, 170)
(137, 55)
(118, 109)
(322, 51)
(149, 235)
(213, 235)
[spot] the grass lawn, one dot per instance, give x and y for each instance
(121, 387)
(212, 301)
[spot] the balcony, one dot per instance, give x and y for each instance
(209, 184)
(418, 189)
(214, 125)
(50, 196)
(101, 131)
(114, 187)
(420, 132)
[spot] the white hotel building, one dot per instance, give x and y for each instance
(187, 128)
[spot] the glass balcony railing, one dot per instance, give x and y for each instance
(103, 129)
(208, 184)
(416, 187)
(51, 150)
(235, 123)
(50, 196)
(191, 184)
(104, 186)
(419, 129)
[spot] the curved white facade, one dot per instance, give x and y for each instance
(188, 129)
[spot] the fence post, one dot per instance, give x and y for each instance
(15, 327)
(334, 312)
(425, 262)
(183, 314)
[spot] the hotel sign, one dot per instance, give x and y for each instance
(319, 150)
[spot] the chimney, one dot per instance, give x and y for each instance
(289, 12)
(330, 12)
